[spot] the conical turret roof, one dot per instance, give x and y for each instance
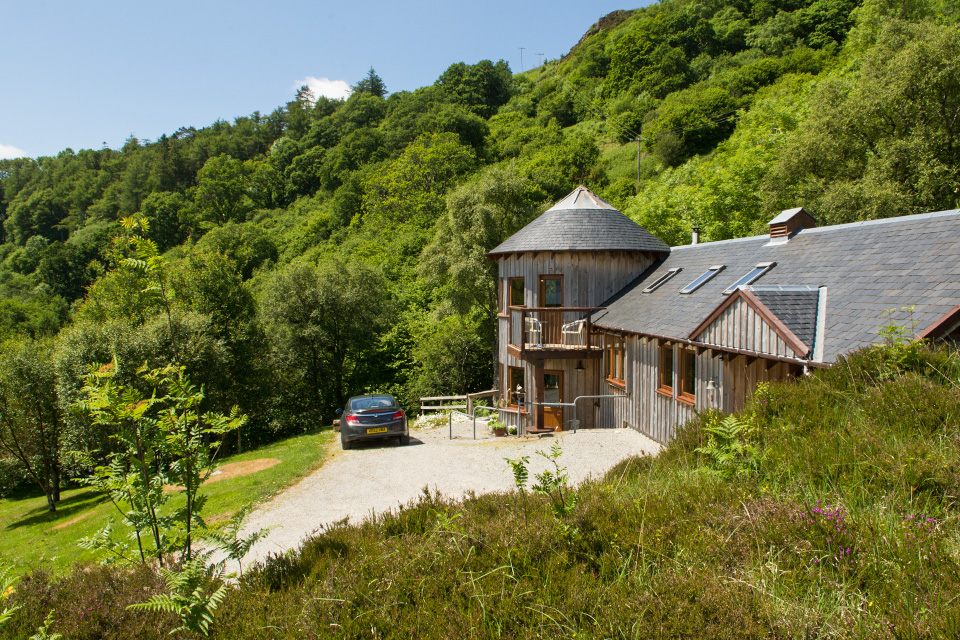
(582, 221)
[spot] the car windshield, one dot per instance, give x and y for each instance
(372, 402)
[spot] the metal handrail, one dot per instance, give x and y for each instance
(574, 420)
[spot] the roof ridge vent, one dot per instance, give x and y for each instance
(791, 221)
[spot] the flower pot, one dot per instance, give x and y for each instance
(500, 432)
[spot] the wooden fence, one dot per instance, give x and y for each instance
(464, 403)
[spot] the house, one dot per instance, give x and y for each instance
(602, 324)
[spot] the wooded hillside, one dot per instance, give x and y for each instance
(292, 259)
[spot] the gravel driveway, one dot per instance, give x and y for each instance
(379, 476)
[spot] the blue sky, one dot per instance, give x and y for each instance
(81, 74)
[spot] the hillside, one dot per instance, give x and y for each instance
(332, 247)
(827, 509)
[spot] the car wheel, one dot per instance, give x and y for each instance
(403, 440)
(346, 445)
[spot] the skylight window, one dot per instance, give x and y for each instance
(659, 281)
(696, 284)
(755, 273)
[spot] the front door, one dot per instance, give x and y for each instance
(553, 392)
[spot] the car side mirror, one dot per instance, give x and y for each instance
(339, 410)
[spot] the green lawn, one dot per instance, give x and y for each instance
(30, 536)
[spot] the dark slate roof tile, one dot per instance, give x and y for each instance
(869, 268)
(581, 222)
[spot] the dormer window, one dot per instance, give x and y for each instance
(699, 282)
(754, 273)
(659, 281)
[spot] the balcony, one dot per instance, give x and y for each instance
(553, 332)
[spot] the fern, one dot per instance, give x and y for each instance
(188, 598)
(7, 582)
(552, 483)
(226, 536)
(43, 632)
(727, 451)
(519, 468)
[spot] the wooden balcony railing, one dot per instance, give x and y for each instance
(553, 329)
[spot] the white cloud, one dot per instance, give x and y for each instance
(8, 151)
(325, 87)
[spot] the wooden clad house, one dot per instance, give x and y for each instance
(592, 306)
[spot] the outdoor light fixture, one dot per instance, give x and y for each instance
(580, 368)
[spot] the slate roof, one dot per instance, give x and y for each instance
(795, 306)
(582, 221)
(868, 268)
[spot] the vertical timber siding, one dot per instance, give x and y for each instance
(741, 327)
(588, 278)
(658, 416)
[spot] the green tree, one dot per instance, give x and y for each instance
(371, 84)
(162, 438)
(883, 140)
(480, 215)
(222, 186)
(482, 87)
(31, 421)
(324, 323)
(411, 188)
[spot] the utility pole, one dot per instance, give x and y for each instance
(539, 69)
(638, 160)
(521, 58)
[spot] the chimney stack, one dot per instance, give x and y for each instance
(696, 236)
(789, 222)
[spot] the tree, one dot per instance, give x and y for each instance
(411, 188)
(480, 215)
(372, 84)
(221, 190)
(883, 141)
(482, 87)
(31, 421)
(324, 322)
(162, 439)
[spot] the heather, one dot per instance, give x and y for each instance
(827, 508)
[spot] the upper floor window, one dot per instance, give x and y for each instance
(551, 291)
(516, 292)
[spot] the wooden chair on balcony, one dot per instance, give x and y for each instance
(534, 330)
(575, 330)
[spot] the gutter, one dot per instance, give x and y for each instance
(705, 345)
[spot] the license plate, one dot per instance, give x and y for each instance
(377, 430)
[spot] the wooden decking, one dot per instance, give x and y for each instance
(552, 332)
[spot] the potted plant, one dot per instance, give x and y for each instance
(499, 428)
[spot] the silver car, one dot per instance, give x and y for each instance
(376, 415)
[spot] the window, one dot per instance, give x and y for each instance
(696, 284)
(666, 370)
(551, 291)
(516, 292)
(755, 273)
(515, 382)
(659, 281)
(688, 375)
(616, 366)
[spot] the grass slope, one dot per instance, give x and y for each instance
(31, 536)
(827, 509)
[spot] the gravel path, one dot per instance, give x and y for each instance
(379, 476)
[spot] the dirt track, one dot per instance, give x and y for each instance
(379, 476)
